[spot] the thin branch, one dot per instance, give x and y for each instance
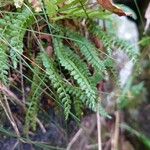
(99, 128)
(115, 138)
(74, 139)
(9, 115)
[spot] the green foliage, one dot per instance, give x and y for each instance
(51, 7)
(145, 41)
(111, 42)
(78, 106)
(80, 89)
(144, 139)
(77, 69)
(89, 51)
(35, 96)
(21, 22)
(3, 65)
(72, 9)
(12, 30)
(129, 97)
(57, 83)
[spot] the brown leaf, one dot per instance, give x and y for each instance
(108, 5)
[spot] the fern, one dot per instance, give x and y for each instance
(111, 42)
(35, 96)
(89, 51)
(51, 7)
(82, 92)
(18, 28)
(57, 83)
(75, 67)
(3, 65)
(14, 30)
(4, 23)
(78, 106)
(76, 92)
(80, 95)
(72, 9)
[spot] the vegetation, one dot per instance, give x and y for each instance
(49, 49)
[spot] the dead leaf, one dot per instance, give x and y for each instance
(108, 5)
(147, 17)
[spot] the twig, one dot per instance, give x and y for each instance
(9, 115)
(115, 138)
(99, 128)
(41, 125)
(15, 145)
(74, 139)
(6, 91)
(93, 146)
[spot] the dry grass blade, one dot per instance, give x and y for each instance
(74, 139)
(5, 106)
(13, 97)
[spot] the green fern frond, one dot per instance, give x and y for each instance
(112, 42)
(18, 28)
(78, 106)
(57, 83)
(4, 67)
(76, 92)
(13, 32)
(51, 7)
(80, 95)
(89, 51)
(35, 96)
(70, 63)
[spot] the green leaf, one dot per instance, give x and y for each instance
(51, 7)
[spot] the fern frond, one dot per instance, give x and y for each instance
(111, 42)
(18, 28)
(76, 92)
(70, 63)
(14, 28)
(78, 106)
(57, 83)
(80, 95)
(4, 67)
(51, 7)
(88, 50)
(35, 96)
